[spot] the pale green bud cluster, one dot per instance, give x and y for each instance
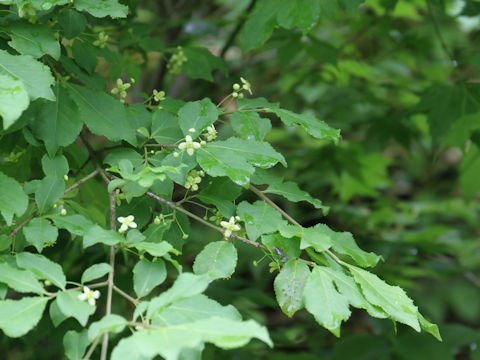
(158, 95)
(239, 89)
(121, 89)
(176, 61)
(217, 217)
(101, 40)
(194, 178)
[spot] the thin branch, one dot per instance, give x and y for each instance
(193, 216)
(92, 348)
(81, 181)
(162, 145)
(474, 279)
(108, 309)
(25, 222)
(125, 295)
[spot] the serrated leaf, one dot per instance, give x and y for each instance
(186, 285)
(154, 249)
(429, 327)
(18, 317)
(259, 25)
(218, 260)
(76, 224)
(320, 237)
(72, 22)
(102, 8)
(260, 218)
(35, 75)
(391, 299)
(289, 285)
(197, 115)
(315, 127)
(236, 158)
(249, 125)
(96, 234)
(109, 323)
(57, 123)
(55, 166)
(324, 302)
(43, 268)
(50, 189)
(95, 271)
(85, 55)
(75, 344)
(103, 114)
(13, 200)
(71, 306)
(20, 280)
(13, 99)
(147, 275)
(33, 39)
(282, 247)
(165, 127)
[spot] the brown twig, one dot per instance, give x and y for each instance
(81, 181)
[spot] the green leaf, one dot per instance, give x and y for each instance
(33, 39)
(20, 280)
(35, 75)
(72, 22)
(85, 55)
(260, 218)
(324, 302)
(234, 158)
(42, 268)
(71, 306)
(201, 63)
(102, 8)
(259, 25)
(221, 192)
(186, 285)
(13, 99)
(391, 299)
(50, 189)
(96, 234)
(56, 314)
(18, 317)
(250, 126)
(197, 115)
(289, 285)
(282, 247)
(165, 128)
(184, 163)
(154, 249)
(95, 271)
(315, 127)
(56, 167)
(218, 260)
(147, 275)
(109, 323)
(301, 13)
(320, 237)
(13, 199)
(76, 224)
(57, 123)
(429, 327)
(75, 344)
(45, 5)
(103, 114)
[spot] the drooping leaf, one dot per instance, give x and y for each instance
(391, 299)
(76, 224)
(103, 8)
(236, 158)
(20, 280)
(259, 25)
(165, 127)
(13, 200)
(320, 237)
(221, 193)
(75, 344)
(197, 115)
(109, 323)
(260, 218)
(84, 54)
(154, 249)
(18, 317)
(147, 275)
(71, 306)
(201, 63)
(33, 39)
(56, 315)
(324, 302)
(50, 189)
(96, 234)
(57, 123)
(43, 268)
(13, 99)
(429, 327)
(95, 271)
(72, 22)
(103, 114)
(301, 13)
(289, 285)
(55, 166)
(35, 75)
(250, 126)
(218, 260)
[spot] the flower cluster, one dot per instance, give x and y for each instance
(89, 295)
(217, 217)
(158, 95)
(188, 145)
(211, 133)
(102, 40)
(194, 177)
(176, 61)
(238, 89)
(230, 226)
(127, 222)
(121, 89)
